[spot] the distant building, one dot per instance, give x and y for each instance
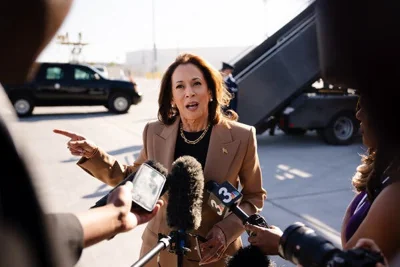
(142, 62)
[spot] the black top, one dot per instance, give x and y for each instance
(198, 151)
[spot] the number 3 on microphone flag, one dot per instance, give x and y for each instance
(223, 197)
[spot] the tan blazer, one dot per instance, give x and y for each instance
(232, 156)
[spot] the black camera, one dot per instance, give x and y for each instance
(301, 245)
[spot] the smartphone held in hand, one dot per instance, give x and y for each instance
(147, 186)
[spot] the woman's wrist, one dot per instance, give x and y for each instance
(120, 220)
(93, 153)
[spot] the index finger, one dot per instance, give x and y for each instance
(65, 133)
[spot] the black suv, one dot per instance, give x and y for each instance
(66, 84)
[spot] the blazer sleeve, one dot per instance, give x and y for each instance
(107, 169)
(253, 192)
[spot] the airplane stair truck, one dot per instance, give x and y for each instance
(276, 81)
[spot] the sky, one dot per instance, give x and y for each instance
(113, 28)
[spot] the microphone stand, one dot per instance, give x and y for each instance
(164, 242)
(176, 240)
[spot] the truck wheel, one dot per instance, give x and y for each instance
(119, 103)
(23, 106)
(294, 131)
(341, 129)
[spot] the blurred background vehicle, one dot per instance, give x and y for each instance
(68, 84)
(102, 69)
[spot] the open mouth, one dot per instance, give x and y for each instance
(192, 105)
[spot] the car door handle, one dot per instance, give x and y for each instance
(57, 86)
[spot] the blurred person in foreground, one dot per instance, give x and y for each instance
(190, 122)
(28, 235)
(374, 212)
(351, 57)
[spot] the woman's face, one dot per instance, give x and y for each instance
(365, 127)
(190, 93)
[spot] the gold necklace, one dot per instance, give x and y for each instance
(190, 142)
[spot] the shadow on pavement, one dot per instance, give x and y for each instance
(67, 116)
(112, 153)
(101, 191)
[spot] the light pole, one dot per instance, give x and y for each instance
(154, 38)
(265, 18)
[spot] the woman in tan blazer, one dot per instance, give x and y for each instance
(191, 122)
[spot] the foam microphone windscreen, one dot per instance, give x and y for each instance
(186, 185)
(246, 255)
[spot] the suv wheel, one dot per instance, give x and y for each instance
(341, 130)
(119, 103)
(23, 106)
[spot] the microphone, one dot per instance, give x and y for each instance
(185, 194)
(247, 254)
(186, 185)
(226, 198)
(156, 170)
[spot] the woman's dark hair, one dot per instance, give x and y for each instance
(215, 83)
(381, 108)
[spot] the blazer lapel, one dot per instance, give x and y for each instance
(221, 152)
(164, 144)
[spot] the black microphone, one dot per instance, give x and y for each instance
(185, 194)
(158, 167)
(186, 185)
(248, 254)
(226, 198)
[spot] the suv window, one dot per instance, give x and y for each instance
(83, 74)
(54, 73)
